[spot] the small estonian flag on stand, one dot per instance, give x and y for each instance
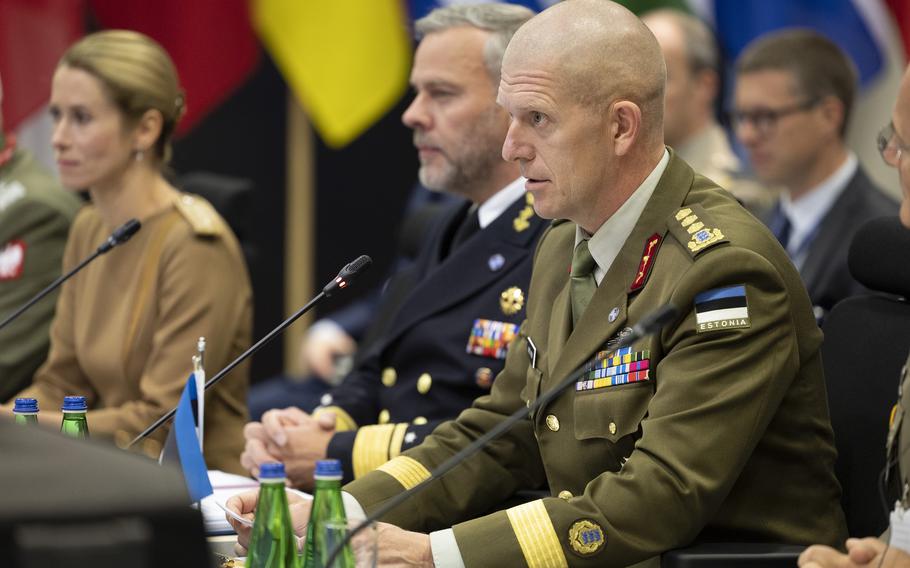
(184, 447)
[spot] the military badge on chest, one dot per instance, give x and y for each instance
(490, 338)
(611, 368)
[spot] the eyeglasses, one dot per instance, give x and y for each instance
(890, 145)
(764, 120)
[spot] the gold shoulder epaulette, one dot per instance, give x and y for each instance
(200, 214)
(695, 229)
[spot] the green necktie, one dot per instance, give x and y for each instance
(583, 284)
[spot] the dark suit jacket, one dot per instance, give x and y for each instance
(825, 271)
(424, 326)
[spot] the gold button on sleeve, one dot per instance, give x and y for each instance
(384, 416)
(566, 495)
(612, 428)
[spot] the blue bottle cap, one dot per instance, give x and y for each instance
(74, 404)
(26, 405)
(271, 470)
(328, 469)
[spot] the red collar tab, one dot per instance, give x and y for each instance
(647, 261)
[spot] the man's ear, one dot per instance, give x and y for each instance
(626, 125)
(832, 111)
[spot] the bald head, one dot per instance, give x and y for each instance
(603, 53)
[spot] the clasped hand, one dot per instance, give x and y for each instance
(292, 437)
(869, 552)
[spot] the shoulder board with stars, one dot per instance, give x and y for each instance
(695, 229)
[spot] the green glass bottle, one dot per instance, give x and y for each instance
(74, 422)
(272, 542)
(26, 411)
(328, 508)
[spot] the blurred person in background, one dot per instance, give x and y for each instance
(693, 86)
(126, 327)
(35, 218)
(793, 97)
(870, 551)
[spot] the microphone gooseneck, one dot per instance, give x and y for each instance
(648, 325)
(120, 235)
(344, 277)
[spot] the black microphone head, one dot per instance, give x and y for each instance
(360, 263)
(120, 235)
(347, 273)
(124, 232)
(878, 256)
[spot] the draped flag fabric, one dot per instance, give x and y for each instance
(184, 448)
(33, 36)
(738, 23)
(211, 42)
(347, 62)
(420, 8)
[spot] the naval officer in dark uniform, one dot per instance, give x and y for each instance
(446, 323)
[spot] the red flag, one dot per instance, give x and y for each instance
(901, 11)
(211, 42)
(33, 36)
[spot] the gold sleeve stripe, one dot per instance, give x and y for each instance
(397, 439)
(343, 420)
(371, 448)
(536, 536)
(406, 471)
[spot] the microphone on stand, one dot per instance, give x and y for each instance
(120, 235)
(340, 282)
(649, 324)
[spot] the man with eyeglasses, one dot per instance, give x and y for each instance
(870, 551)
(793, 97)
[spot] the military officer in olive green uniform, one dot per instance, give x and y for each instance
(35, 216)
(870, 551)
(716, 428)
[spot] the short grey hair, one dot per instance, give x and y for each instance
(501, 20)
(700, 41)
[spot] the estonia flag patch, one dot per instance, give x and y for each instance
(722, 308)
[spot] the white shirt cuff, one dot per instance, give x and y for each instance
(352, 509)
(445, 549)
